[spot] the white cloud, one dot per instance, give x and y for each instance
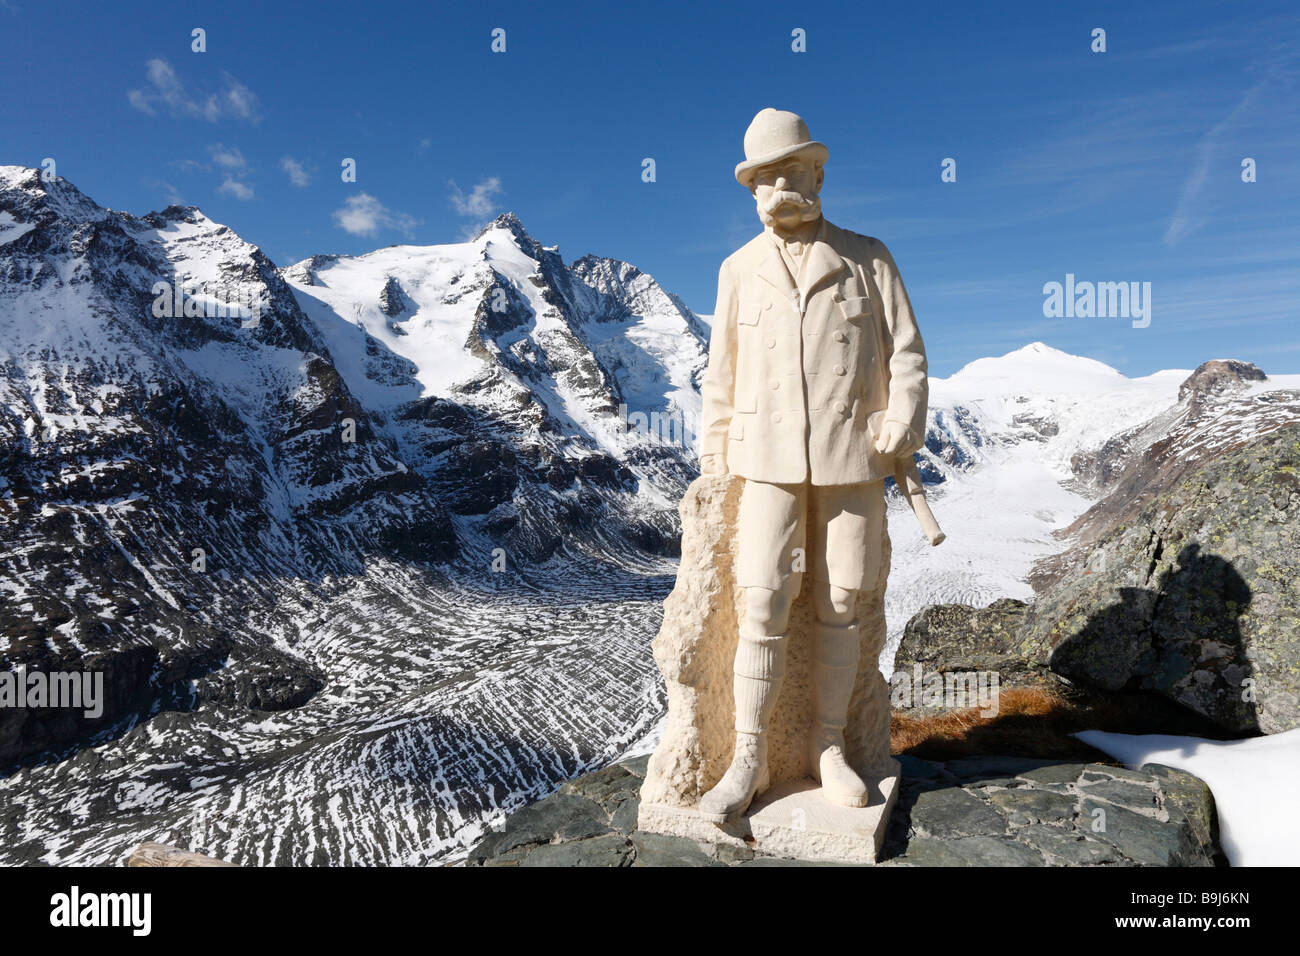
(228, 158)
(238, 100)
(1190, 213)
(364, 215)
(166, 92)
(297, 174)
(480, 203)
(167, 189)
(233, 187)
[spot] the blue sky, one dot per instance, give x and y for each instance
(1115, 166)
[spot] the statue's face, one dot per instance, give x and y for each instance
(786, 192)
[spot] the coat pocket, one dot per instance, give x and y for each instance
(856, 308)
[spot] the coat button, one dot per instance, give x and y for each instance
(794, 294)
(771, 343)
(841, 337)
(841, 407)
(767, 304)
(776, 418)
(838, 296)
(839, 370)
(774, 384)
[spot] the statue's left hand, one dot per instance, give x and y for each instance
(893, 438)
(712, 464)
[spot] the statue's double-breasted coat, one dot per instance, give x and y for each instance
(801, 377)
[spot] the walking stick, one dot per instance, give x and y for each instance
(909, 483)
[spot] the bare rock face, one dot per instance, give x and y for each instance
(1194, 598)
(1218, 375)
(696, 646)
(1133, 469)
(392, 300)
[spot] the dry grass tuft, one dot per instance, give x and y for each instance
(1034, 722)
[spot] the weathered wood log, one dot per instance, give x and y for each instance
(159, 854)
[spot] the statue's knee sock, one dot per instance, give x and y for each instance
(836, 650)
(836, 653)
(759, 667)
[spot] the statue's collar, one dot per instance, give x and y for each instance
(818, 236)
(820, 262)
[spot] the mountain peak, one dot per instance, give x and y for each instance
(1039, 349)
(18, 176)
(1036, 367)
(1219, 375)
(509, 222)
(1041, 355)
(29, 191)
(176, 213)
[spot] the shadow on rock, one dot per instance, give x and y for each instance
(1181, 639)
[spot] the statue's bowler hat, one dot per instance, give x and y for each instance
(774, 135)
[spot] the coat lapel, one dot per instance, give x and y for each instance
(773, 271)
(821, 262)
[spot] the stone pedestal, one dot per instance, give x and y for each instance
(793, 820)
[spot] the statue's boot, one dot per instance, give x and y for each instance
(836, 650)
(760, 665)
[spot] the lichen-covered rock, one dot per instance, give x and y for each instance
(1196, 599)
(945, 638)
(976, 811)
(696, 646)
(1014, 811)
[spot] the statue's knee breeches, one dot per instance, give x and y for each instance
(770, 548)
(833, 532)
(834, 604)
(846, 535)
(767, 611)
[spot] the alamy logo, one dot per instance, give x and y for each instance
(1102, 300)
(217, 303)
(668, 428)
(74, 908)
(955, 690)
(77, 690)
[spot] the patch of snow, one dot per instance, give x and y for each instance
(11, 228)
(344, 304)
(1254, 782)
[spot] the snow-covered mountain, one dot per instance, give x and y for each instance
(381, 550)
(381, 556)
(498, 342)
(1020, 446)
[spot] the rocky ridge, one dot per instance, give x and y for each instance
(978, 811)
(1178, 581)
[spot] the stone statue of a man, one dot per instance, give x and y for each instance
(816, 383)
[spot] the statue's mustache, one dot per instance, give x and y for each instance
(784, 197)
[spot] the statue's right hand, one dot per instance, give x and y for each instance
(712, 465)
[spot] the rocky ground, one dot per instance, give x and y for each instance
(976, 811)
